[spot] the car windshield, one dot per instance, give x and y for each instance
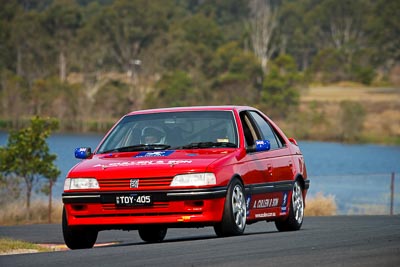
(172, 130)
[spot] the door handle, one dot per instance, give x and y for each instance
(269, 169)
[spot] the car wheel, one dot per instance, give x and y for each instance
(296, 211)
(152, 234)
(78, 237)
(234, 216)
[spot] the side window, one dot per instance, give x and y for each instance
(249, 132)
(266, 130)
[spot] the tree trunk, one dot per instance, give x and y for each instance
(63, 67)
(50, 199)
(28, 201)
(19, 61)
(263, 22)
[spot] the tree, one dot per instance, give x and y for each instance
(280, 92)
(113, 98)
(352, 120)
(296, 32)
(173, 89)
(128, 26)
(30, 41)
(237, 75)
(262, 23)
(329, 66)
(8, 11)
(9, 184)
(62, 21)
(384, 30)
(342, 28)
(53, 98)
(26, 156)
(13, 97)
(228, 14)
(189, 44)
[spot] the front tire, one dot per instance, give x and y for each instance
(296, 211)
(152, 234)
(78, 237)
(234, 216)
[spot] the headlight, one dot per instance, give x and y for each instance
(80, 183)
(194, 179)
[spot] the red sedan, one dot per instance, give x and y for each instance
(220, 166)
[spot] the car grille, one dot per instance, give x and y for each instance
(144, 183)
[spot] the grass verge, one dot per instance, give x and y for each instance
(15, 213)
(10, 246)
(320, 205)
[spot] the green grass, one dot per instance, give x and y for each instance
(11, 246)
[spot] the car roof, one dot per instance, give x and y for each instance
(192, 108)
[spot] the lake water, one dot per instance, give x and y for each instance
(358, 176)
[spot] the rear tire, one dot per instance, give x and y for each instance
(296, 211)
(78, 237)
(152, 234)
(234, 217)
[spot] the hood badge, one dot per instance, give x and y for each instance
(134, 183)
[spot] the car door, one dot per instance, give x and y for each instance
(269, 173)
(277, 161)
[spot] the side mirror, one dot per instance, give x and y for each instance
(293, 141)
(83, 152)
(261, 145)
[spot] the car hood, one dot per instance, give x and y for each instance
(149, 164)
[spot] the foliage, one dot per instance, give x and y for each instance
(280, 92)
(384, 30)
(352, 121)
(52, 98)
(113, 98)
(65, 59)
(9, 185)
(13, 96)
(328, 66)
(26, 156)
(173, 89)
(332, 65)
(238, 75)
(126, 27)
(309, 123)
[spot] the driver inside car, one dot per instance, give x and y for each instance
(153, 135)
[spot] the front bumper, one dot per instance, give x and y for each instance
(199, 206)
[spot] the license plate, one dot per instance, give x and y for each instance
(133, 200)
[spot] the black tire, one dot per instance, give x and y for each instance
(234, 216)
(296, 211)
(78, 237)
(152, 234)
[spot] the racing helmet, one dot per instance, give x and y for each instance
(152, 135)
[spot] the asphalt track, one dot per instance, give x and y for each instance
(323, 241)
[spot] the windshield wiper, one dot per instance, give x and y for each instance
(141, 147)
(207, 145)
